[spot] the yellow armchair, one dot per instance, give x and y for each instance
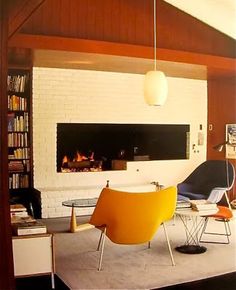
(132, 218)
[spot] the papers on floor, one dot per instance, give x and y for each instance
(24, 224)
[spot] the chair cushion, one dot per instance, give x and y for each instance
(224, 213)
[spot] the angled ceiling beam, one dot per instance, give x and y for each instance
(119, 49)
(20, 12)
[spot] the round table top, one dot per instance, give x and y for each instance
(81, 202)
(191, 212)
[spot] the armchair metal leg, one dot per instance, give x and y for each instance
(168, 243)
(102, 248)
(204, 228)
(99, 243)
(226, 234)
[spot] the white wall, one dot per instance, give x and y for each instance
(70, 96)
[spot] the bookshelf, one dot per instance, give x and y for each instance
(19, 131)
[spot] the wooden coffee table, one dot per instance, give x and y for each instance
(81, 203)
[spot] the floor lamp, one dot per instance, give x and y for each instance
(219, 148)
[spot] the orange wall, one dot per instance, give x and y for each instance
(221, 111)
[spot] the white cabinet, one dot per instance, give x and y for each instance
(33, 255)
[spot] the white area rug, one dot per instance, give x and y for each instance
(136, 267)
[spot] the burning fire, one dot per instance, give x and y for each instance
(90, 163)
(80, 157)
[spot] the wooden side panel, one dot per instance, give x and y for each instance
(221, 111)
(128, 21)
(6, 258)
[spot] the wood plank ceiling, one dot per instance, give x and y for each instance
(124, 29)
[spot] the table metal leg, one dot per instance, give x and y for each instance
(192, 227)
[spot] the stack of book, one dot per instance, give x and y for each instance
(15, 166)
(204, 206)
(23, 224)
(182, 204)
(27, 227)
(18, 210)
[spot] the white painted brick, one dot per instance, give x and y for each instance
(53, 215)
(66, 95)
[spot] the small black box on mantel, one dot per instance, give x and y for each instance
(119, 165)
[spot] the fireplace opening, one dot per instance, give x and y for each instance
(89, 147)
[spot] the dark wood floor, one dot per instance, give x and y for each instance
(39, 283)
(223, 282)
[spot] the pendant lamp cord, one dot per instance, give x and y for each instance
(155, 34)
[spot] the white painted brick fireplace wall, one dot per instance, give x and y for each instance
(79, 96)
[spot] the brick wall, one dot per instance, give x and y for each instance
(66, 95)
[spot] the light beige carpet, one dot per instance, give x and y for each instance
(135, 267)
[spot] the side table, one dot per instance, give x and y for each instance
(81, 202)
(193, 222)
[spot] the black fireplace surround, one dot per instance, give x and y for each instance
(96, 146)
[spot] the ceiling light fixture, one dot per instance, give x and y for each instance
(155, 82)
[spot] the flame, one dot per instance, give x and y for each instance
(91, 157)
(64, 160)
(79, 156)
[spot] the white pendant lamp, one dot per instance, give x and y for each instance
(155, 82)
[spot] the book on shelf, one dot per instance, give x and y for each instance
(16, 83)
(17, 139)
(29, 228)
(15, 166)
(11, 121)
(17, 103)
(203, 205)
(17, 180)
(17, 122)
